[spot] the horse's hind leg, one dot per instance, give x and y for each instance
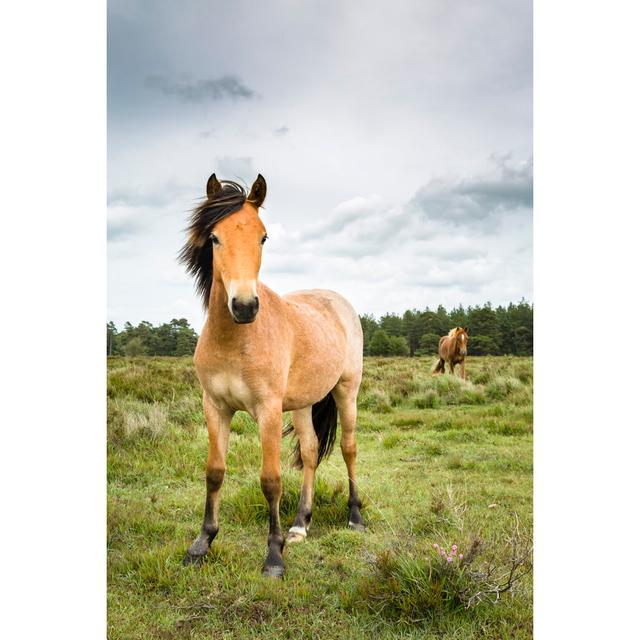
(345, 395)
(303, 426)
(218, 429)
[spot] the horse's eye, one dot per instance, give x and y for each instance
(214, 239)
(264, 239)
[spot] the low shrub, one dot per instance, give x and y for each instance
(417, 585)
(427, 400)
(502, 387)
(375, 400)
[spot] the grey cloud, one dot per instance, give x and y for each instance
(159, 196)
(478, 200)
(281, 131)
(211, 90)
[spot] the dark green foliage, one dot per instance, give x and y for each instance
(500, 331)
(380, 344)
(428, 344)
(483, 346)
(175, 338)
(383, 344)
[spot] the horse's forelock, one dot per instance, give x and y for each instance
(197, 252)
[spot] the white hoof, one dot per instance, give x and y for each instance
(296, 534)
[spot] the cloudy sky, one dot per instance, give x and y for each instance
(395, 138)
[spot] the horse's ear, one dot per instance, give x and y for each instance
(213, 186)
(258, 192)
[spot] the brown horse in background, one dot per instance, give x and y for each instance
(453, 349)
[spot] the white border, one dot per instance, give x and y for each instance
(585, 246)
(53, 120)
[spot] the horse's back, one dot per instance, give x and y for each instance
(325, 320)
(327, 303)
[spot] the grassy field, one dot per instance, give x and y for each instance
(440, 461)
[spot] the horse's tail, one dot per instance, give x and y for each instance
(324, 415)
(438, 367)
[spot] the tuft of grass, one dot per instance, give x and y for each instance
(391, 440)
(427, 400)
(128, 419)
(501, 387)
(376, 400)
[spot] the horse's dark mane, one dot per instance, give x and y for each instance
(197, 253)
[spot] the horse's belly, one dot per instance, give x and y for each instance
(310, 385)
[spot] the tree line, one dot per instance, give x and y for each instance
(175, 338)
(492, 331)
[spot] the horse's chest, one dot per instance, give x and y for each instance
(230, 389)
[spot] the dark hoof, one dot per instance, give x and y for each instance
(190, 560)
(357, 526)
(275, 571)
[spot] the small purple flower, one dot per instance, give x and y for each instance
(454, 548)
(449, 558)
(460, 556)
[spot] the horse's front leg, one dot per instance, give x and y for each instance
(218, 422)
(462, 370)
(270, 424)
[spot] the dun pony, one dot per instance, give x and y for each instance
(264, 353)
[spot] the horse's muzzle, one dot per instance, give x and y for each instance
(463, 352)
(244, 312)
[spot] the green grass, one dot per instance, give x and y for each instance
(440, 460)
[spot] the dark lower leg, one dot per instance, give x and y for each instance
(348, 446)
(300, 527)
(218, 430)
(272, 490)
(308, 440)
(355, 517)
(210, 523)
